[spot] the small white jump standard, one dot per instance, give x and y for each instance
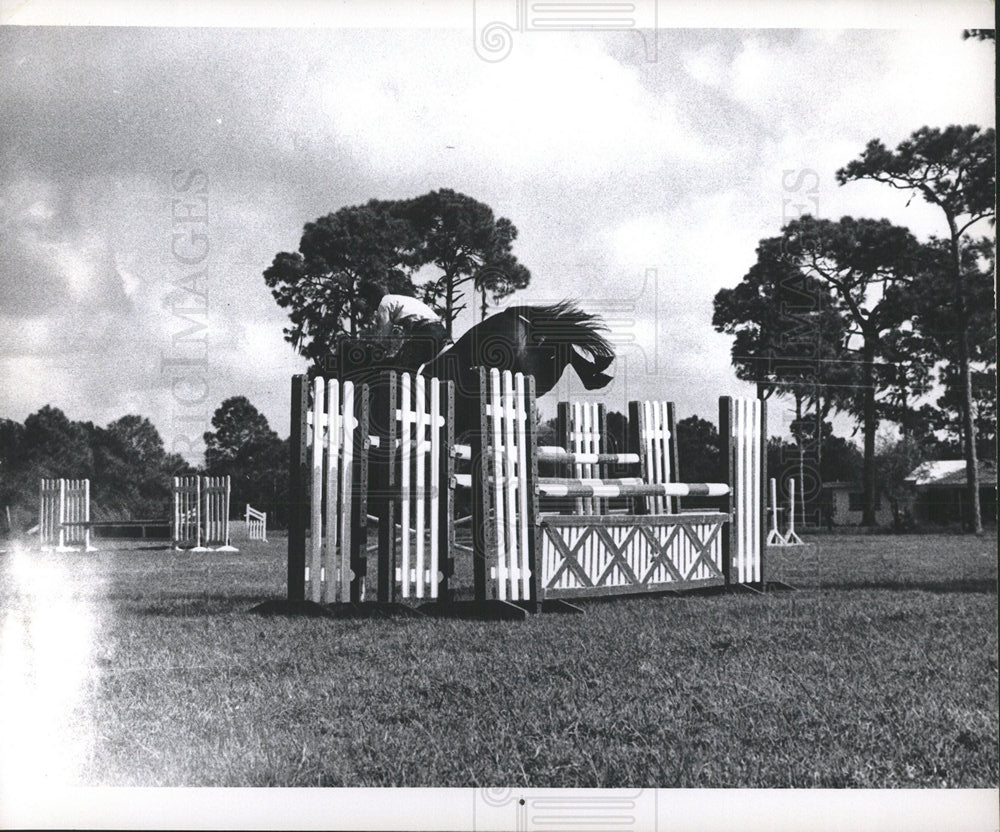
(201, 514)
(791, 538)
(775, 536)
(256, 522)
(64, 515)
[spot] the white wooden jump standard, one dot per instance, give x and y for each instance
(774, 536)
(201, 514)
(791, 538)
(64, 515)
(256, 522)
(336, 442)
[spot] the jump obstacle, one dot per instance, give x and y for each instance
(390, 446)
(201, 514)
(256, 524)
(775, 537)
(64, 515)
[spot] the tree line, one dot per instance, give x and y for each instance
(129, 468)
(858, 316)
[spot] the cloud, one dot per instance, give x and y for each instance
(610, 166)
(559, 106)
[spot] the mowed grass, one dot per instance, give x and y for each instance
(880, 671)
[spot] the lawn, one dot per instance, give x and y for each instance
(143, 667)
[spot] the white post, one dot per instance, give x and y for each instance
(774, 536)
(225, 516)
(62, 514)
(791, 538)
(86, 515)
(198, 513)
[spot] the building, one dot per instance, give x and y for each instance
(940, 492)
(845, 502)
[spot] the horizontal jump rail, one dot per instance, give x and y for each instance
(555, 454)
(624, 487)
(621, 488)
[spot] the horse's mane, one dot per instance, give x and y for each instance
(566, 322)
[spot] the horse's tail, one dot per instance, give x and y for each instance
(566, 323)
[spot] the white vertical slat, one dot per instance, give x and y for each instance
(496, 405)
(78, 531)
(745, 490)
(62, 513)
(668, 472)
(774, 504)
(176, 524)
(177, 511)
(43, 525)
(646, 449)
(406, 418)
(198, 515)
(662, 438)
(204, 495)
(739, 532)
(754, 475)
(225, 513)
(315, 577)
(510, 456)
(749, 486)
(654, 458)
(589, 446)
(437, 431)
(591, 551)
(333, 447)
(420, 449)
(737, 518)
(349, 426)
(72, 510)
(524, 521)
(69, 511)
(71, 505)
(207, 494)
(791, 514)
(654, 428)
(576, 446)
(208, 508)
(755, 508)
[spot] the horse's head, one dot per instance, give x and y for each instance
(561, 334)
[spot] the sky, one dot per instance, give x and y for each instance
(148, 176)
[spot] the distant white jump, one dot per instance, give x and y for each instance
(256, 524)
(774, 536)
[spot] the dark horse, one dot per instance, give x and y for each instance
(540, 341)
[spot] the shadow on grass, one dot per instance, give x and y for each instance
(970, 585)
(193, 606)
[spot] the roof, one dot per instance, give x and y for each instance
(950, 473)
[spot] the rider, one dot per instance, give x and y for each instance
(392, 307)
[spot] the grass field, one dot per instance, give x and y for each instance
(141, 666)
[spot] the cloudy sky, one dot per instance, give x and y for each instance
(639, 187)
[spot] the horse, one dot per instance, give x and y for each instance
(541, 341)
